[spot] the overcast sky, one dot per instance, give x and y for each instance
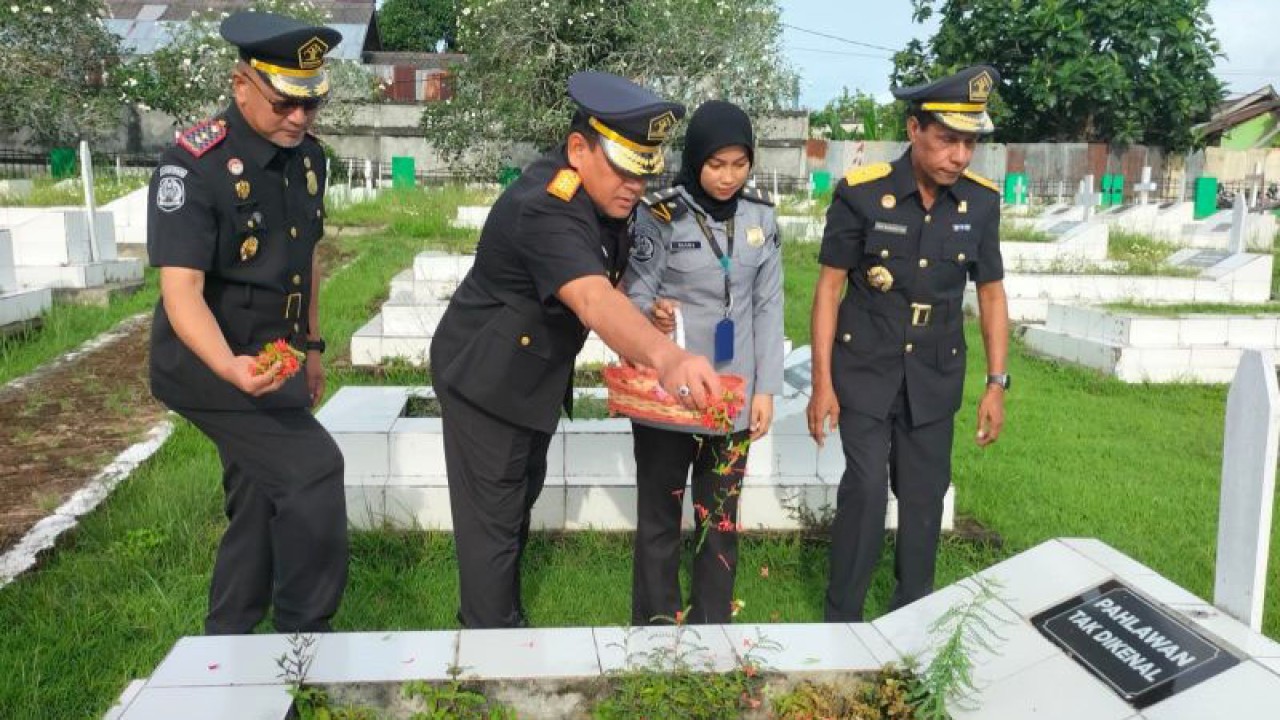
(1247, 30)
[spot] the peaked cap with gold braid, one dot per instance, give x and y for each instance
(958, 101)
(288, 53)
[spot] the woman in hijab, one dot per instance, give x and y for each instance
(706, 252)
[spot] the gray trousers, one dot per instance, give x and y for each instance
(285, 545)
(496, 471)
(918, 460)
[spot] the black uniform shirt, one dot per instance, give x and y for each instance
(506, 343)
(909, 328)
(247, 213)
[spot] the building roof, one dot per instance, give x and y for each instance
(145, 27)
(1235, 111)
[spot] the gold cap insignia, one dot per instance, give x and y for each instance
(980, 87)
(242, 189)
(311, 53)
(880, 278)
(248, 248)
(755, 236)
(888, 201)
(313, 184)
(565, 184)
(660, 127)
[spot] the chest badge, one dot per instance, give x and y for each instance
(235, 166)
(248, 248)
(888, 202)
(880, 278)
(306, 162)
(755, 236)
(242, 189)
(963, 207)
(313, 184)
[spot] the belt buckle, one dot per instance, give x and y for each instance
(920, 314)
(293, 306)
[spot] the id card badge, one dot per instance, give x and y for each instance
(724, 340)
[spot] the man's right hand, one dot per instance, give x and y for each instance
(692, 374)
(823, 408)
(241, 373)
(663, 314)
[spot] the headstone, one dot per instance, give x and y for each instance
(1254, 183)
(86, 175)
(1133, 645)
(1062, 191)
(1248, 488)
(403, 174)
(1205, 197)
(1239, 234)
(1145, 187)
(368, 174)
(1063, 227)
(1086, 198)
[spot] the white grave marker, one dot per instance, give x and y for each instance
(1086, 198)
(1248, 488)
(1145, 187)
(86, 175)
(1239, 234)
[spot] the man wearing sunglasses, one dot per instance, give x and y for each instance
(236, 209)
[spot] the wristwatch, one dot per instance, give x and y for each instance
(317, 345)
(1001, 379)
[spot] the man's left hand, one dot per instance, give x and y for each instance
(761, 415)
(314, 369)
(990, 415)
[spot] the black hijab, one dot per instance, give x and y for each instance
(716, 125)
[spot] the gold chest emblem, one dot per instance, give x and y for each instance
(880, 278)
(313, 184)
(242, 189)
(888, 202)
(248, 248)
(755, 236)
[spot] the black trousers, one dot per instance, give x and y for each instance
(285, 545)
(663, 461)
(918, 462)
(496, 471)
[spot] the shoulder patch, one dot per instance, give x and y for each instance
(859, 175)
(565, 184)
(989, 184)
(758, 195)
(203, 137)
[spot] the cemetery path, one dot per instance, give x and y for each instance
(58, 429)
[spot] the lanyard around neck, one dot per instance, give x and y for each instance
(724, 258)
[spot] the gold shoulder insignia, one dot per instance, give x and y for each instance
(565, 184)
(989, 184)
(859, 175)
(203, 137)
(661, 212)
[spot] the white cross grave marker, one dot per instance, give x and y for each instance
(1145, 187)
(1086, 198)
(1239, 225)
(86, 175)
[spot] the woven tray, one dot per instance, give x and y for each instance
(637, 394)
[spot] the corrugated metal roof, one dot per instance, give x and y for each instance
(143, 37)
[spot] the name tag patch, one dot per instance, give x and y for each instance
(896, 229)
(961, 227)
(679, 245)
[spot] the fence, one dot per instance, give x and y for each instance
(21, 164)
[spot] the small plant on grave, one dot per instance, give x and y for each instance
(454, 700)
(813, 522)
(958, 634)
(883, 698)
(312, 703)
(295, 663)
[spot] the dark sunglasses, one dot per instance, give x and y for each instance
(287, 106)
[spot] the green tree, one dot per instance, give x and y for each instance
(871, 120)
(56, 79)
(189, 78)
(1080, 70)
(416, 25)
(521, 52)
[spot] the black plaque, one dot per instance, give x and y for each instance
(1141, 651)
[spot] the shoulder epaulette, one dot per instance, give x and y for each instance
(665, 204)
(565, 184)
(203, 137)
(859, 175)
(989, 184)
(758, 195)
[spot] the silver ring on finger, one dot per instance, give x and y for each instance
(683, 391)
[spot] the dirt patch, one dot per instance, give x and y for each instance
(60, 428)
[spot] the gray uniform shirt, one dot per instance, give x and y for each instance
(671, 258)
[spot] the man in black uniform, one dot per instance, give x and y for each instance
(236, 209)
(549, 258)
(888, 368)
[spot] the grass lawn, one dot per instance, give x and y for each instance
(67, 325)
(46, 192)
(1082, 455)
